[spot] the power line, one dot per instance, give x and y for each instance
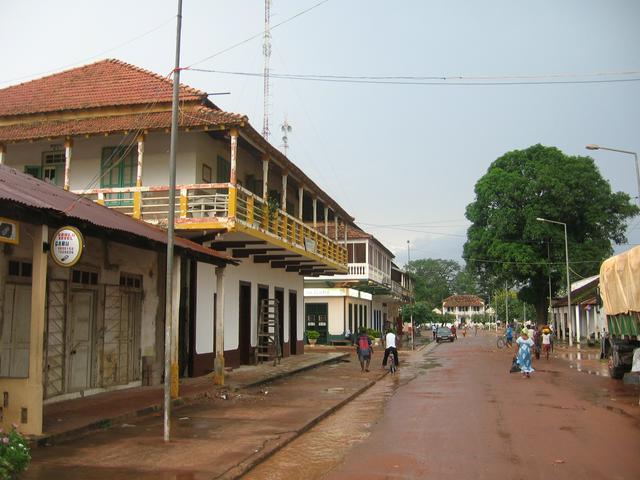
(441, 80)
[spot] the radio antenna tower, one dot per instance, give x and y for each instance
(266, 51)
(286, 129)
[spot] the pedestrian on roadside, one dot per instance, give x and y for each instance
(453, 332)
(364, 349)
(523, 353)
(464, 330)
(390, 346)
(546, 342)
(509, 335)
(434, 330)
(475, 330)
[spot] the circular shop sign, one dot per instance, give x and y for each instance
(66, 246)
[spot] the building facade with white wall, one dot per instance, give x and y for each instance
(108, 140)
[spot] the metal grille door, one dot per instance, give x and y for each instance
(55, 347)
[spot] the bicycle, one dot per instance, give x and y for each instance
(392, 362)
(502, 342)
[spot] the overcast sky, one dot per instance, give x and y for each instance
(402, 159)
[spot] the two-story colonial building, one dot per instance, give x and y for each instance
(102, 131)
(463, 307)
(369, 295)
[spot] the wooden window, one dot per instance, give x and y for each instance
(53, 167)
(20, 269)
(223, 170)
(131, 281)
(15, 331)
(118, 167)
(84, 277)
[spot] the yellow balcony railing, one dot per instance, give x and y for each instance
(220, 205)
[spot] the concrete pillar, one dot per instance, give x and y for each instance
(68, 148)
(140, 160)
(326, 220)
(345, 233)
(315, 212)
(300, 201)
(335, 226)
(34, 395)
(175, 328)
(265, 178)
(284, 192)
(234, 156)
(3, 151)
(218, 347)
(578, 321)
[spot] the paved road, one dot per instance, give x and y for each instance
(455, 413)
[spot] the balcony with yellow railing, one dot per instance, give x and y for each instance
(223, 207)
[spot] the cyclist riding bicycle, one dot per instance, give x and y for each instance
(390, 346)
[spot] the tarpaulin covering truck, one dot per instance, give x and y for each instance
(620, 292)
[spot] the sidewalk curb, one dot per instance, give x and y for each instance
(105, 423)
(256, 459)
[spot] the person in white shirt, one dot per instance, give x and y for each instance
(390, 346)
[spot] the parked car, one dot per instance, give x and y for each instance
(444, 334)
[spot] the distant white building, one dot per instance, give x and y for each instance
(463, 307)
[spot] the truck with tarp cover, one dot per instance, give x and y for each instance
(620, 292)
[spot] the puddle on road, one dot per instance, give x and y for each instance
(324, 447)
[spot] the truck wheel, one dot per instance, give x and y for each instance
(616, 371)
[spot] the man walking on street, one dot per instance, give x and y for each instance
(364, 349)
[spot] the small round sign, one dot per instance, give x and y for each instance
(66, 246)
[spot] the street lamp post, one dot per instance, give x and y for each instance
(566, 256)
(635, 155)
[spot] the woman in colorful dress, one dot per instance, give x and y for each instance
(524, 344)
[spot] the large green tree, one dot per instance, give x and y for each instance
(506, 242)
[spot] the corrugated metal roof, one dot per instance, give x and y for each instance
(32, 193)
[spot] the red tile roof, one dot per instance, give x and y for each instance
(19, 189)
(105, 83)
(463, 301)
(203, 116)
(74, 102)
(353, 233)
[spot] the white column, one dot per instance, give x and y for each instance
(577, 315)
(233, 179)
(315, 212)
(265, 178)
(68, 147)
(335, 226)
(140, 160)
(300, 201)
(326, 220)
(218, 363)
(3, 151)
(284, 192)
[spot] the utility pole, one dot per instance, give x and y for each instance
(266, 52)
(506, 305)
(413, 344)
(170, 233)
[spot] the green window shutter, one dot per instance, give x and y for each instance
(33, 170)
(223, 170)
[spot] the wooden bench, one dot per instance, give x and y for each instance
(345, 343)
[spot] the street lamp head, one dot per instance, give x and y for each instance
(541, 219)
(592, 146)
